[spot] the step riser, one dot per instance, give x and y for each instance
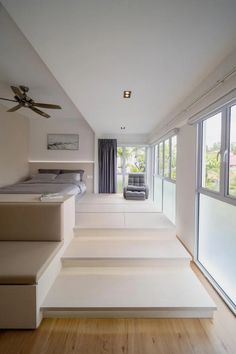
(124, 262)
(168, 313)
(129, 234)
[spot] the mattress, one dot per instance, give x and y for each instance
(40, 188)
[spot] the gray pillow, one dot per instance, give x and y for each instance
(68, 178)
(42, 178)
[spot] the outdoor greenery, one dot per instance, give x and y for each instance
(173, 157)
(134, 159)
(211, 163)
(212, 168)
(161, 159)
(232, 170)
(164, 167)
(166, 157)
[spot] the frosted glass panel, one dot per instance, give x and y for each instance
(217, 242)
(169, 200)
(158, 193)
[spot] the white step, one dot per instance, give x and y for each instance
(122, 220)
(113, 252)
(145, 234)
(116, 208)
(165, 292)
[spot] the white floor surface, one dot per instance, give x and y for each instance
(125, 261)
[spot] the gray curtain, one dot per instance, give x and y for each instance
(107, 155)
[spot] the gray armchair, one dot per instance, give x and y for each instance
(136, 189)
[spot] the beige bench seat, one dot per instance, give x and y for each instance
(23, 262)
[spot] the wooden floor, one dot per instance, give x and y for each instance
(132, 336)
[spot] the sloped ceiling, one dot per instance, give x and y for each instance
(159, 49)
(21, 65)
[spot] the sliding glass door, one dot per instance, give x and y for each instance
(130, 159)
(217, 200)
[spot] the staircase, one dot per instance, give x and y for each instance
(125, 271)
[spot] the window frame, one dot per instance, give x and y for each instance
(157, 159)
(173, 136)
(222, 195)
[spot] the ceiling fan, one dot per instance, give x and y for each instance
(23, 100)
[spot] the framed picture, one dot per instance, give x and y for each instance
(63, 142)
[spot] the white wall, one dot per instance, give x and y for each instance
(128, 139)
(186, 186)
(14, 147)
(211, 89)
(40, 127)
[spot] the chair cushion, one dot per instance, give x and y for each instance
(135, 195)
(23, 262)
(136, 188)
(136, 179)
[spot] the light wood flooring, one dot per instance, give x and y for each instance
(130, 336)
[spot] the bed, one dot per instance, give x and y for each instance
(69, 182)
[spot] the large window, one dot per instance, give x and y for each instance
(217, 200)
(232, 153)
(165, 176)
(173, 157)
(130, 159)
(135, 159)
(211, 149)
(160, 159)
(167, 158)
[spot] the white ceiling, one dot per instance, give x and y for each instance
(159, 49)
(21, 65)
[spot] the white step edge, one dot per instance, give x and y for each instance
(124, 253)
(123, 262)
(129, 313)
(171, 292)
(161, 233)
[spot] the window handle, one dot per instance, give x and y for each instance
(225, 155)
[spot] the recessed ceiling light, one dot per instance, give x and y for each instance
(127, 94)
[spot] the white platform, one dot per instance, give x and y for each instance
(125, 261)
(168, 292)
(123, 252)
(122, 220)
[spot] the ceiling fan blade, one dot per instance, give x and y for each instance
(36, 110)
(7, 99)
(13, 109)
(17, 91)
(47, 105)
